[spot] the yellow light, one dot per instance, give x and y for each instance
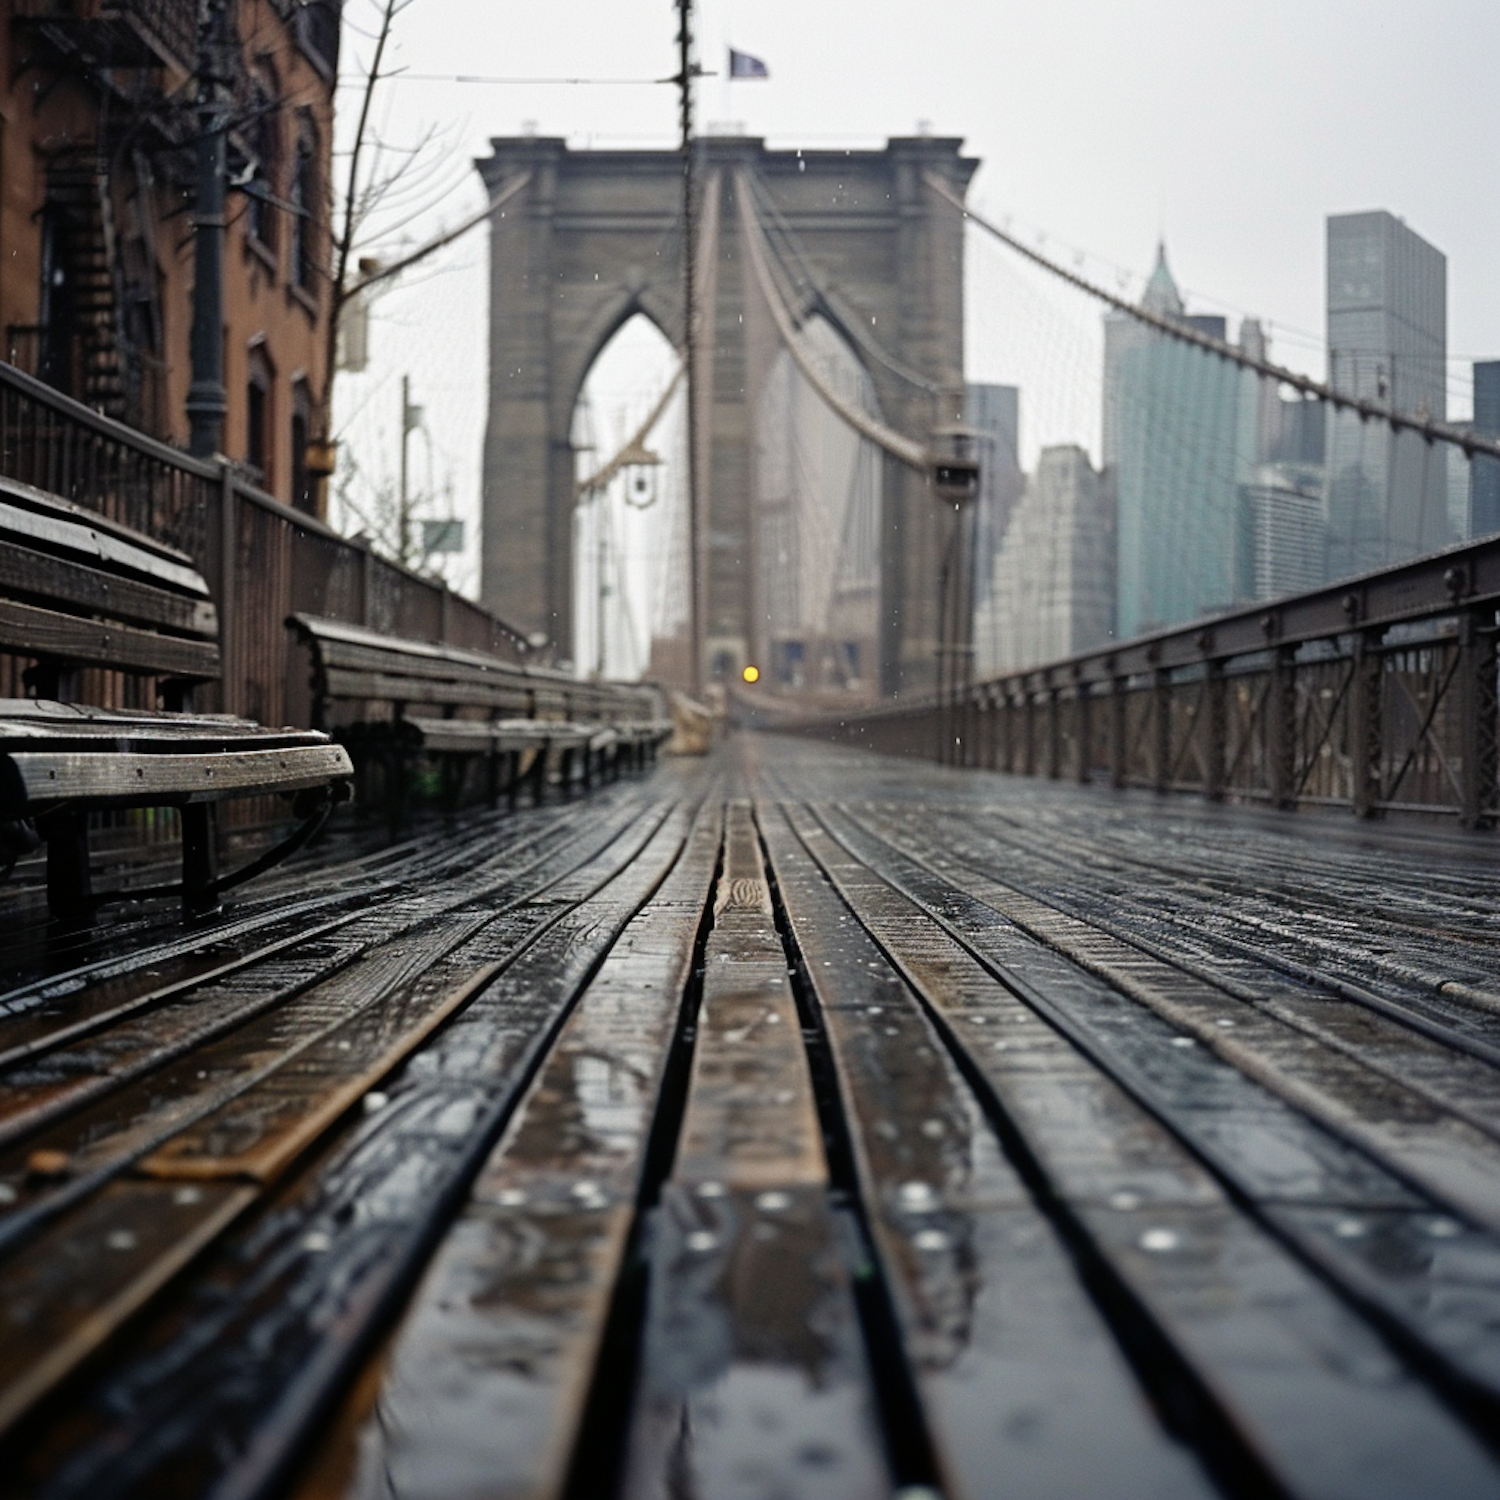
(751, 674)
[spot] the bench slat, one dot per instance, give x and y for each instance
(44, 521)
(192, 738)
(386, 688)
(40, 574)
(67, 716)
(28, 630)
(395, 661)
(29, 781)
(466, 736)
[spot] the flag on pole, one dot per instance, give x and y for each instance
(742, 65)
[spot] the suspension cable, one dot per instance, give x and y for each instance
(856, 329)
(911, 453)
(1433, 432)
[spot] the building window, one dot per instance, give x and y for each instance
(318, 34)
(302, 491)
(263, 136)
(57, 360)
(302, 202)
(259, 386)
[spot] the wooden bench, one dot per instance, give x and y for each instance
(80, 591)
(455, 704)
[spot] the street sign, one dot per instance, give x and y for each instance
(442, 536)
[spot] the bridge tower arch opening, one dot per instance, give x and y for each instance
(629, 543)
(819, 490)
(593, 237)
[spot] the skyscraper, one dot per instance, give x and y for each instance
(1387, 340)
(1053, 587)
(994, 413)
(1484, 473)
(1180, 436)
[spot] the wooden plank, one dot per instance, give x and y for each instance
(41, 575)
(1316, 1398)
(259, 1133)
(90, 536)
(436, 663)
(43, 1016)
(83, 1086)
(49, 711)
(190, 737)
(339, 635)
(467, 736)
(348, 1239)
(1025, 1389)
(481, 1390)
(1392, 1247)
(1409, 1027)
(30, 631)
(753, 1376)
(396, 661)
(382, 687)
(94, 1271)
(124, 780)
(406, 990)
(1458, 1162)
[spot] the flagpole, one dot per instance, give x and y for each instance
(690, 332)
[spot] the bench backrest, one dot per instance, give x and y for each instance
(79, 590)
(353, 664)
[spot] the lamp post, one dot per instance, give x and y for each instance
(207, 399)
(953, 469)
(411, 419)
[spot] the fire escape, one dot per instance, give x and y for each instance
(99, 331)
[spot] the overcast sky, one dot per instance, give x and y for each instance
(1229, 129)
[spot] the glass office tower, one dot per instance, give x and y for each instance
(1387, 340)
(1181, 429)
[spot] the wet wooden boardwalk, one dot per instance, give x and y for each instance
(798, 1123)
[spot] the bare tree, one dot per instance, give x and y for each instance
(382, 182)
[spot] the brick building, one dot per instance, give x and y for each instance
(97, 132)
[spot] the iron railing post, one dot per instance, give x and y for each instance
(1161, 728)
(1119, 699)
(1083, 724)
(1281, 728)
(230, 696)
(1364, 727)
(1479, 732)
(1215, 730)
(1054, 731)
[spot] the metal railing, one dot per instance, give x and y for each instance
(263, 560)
(1377, 694)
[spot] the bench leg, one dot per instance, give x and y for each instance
(396, 791)
(200, 858)
(70, 894)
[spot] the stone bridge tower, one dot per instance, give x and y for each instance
(595, 237)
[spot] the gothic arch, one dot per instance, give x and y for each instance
(594, 237)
